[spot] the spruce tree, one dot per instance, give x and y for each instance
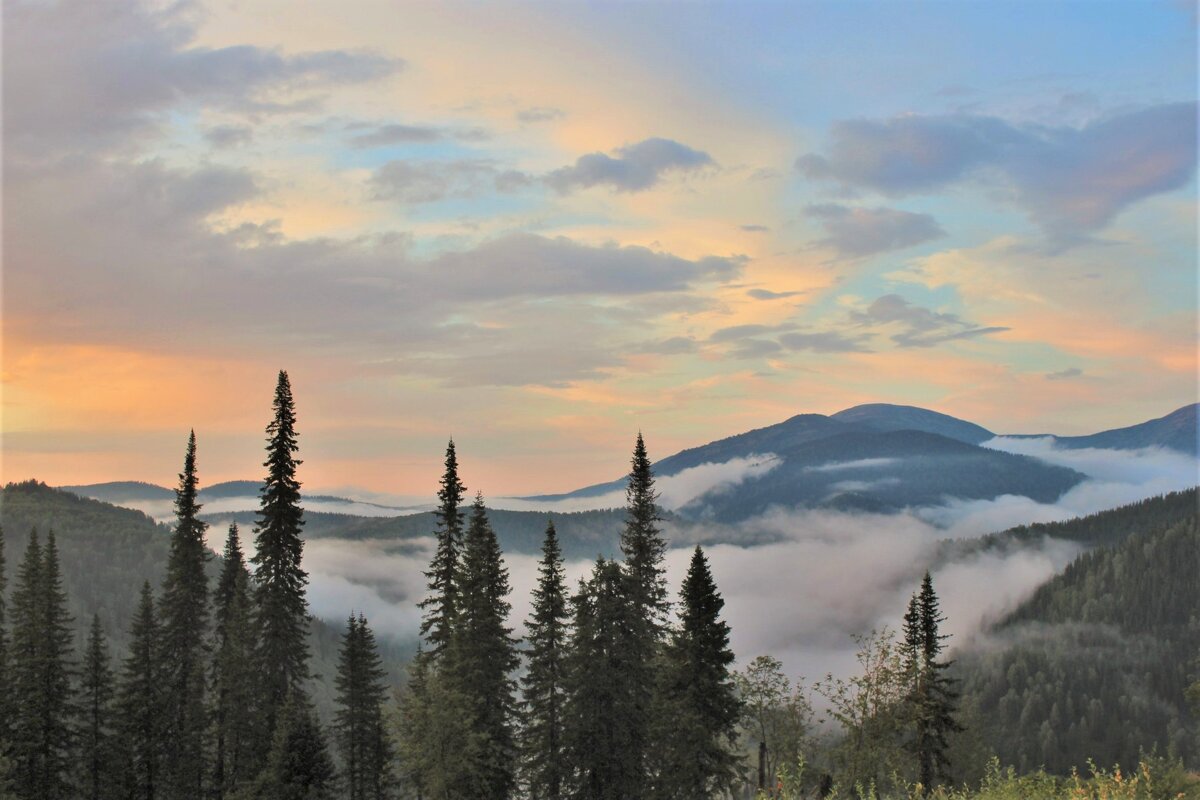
(41, 677)
(280, 604)
(699, 707)
(233, 695)
(543, 770)
(933, 699)
(358, 728)
(97, 757)
(480, 659)
(184, 615)
(602, 719)
(440, 605)
(298, 765)
(140, 703)
(644, 549)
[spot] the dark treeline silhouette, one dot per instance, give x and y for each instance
(623, 688)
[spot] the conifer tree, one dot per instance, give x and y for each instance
(933, 699)
(97, 756)
(644, 549)
(699, 707)
(601, 715)
(281, 608)
(139, 704)
(481, 657)
(544, 771)
(298, 765)
(358, 727)
(233, 695)
(184, 614)
(41, 676)
(440, 605)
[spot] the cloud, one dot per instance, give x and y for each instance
(417, 182)
(118, 68)
(635, 167)
(1064, 374)
(540, 114)
(921, 326)
(223, 136)
(767, 294)
(754, 228)
(1070, 180)
(385, 135)
(860, 232)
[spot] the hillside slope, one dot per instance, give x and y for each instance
(1095, 663)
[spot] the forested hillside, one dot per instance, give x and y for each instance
(1096, 664)
(107, 552)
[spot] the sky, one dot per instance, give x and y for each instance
(541, 228)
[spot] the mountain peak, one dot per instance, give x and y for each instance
(888, 417)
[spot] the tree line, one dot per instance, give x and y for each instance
(618, 691)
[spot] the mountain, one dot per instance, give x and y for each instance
(1176, 431)
(886, 417)
(1096, 662)
(874, 457)
(119, 492)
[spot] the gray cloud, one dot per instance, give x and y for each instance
(224, 136)
(416, 182)
(1064, 374)
(116, 68)
(767, 294)
(385, 135)
(539, 114)
(754, 228)
(736, 332)
(1070, 180)
(634, 168)
(921, 326)
(859, 232)
(672, 346)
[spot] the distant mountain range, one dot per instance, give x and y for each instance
(882, 457)
(876, 457)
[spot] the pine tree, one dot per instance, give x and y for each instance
(140, 703)
(601, 717)
(184, 614)
(97, 756)
(933, 699)
(543, 769)
(281, 608)
(41, 676)
(358, 727)
(480, 659)
(440, 605)
(699, 707)
(233, 695)
(644, 549)
(298, 764)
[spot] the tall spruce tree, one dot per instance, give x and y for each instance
(184, 618)
(602, 721)
(358, 723)
(140, 703)
(41, 677)
(933, 699)
(280, 605)
(644, 548)
(544, 772)
(440, 606)
(233, 696)
(481, 657)
(699, 709)
(298, 765)
(98, 763)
